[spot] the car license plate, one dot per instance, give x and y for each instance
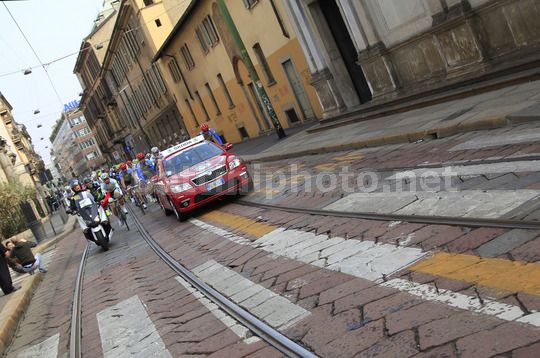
(215, 184)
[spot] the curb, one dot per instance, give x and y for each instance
(14, 310)
(440, 132)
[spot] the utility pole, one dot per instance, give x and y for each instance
(251, 69)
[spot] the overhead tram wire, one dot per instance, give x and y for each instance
(35, 54)
(85, 48)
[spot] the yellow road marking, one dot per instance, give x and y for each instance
(350, 156)
(237, 222)
(326, 167)
(513, 276)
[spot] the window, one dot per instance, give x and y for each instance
(292, 116)
(243, 132)
(188, 60)
(279, 19)
(148, 2)
(202, 40)
(262, 61)
(192, 113)
(227, 94)
(250, 3)
(175, 71)
(211, 30)
(201, 103)
(91, 155)
(207, 34)
(211, 94)
(158, 22)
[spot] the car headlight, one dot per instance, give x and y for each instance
(178, 188)
(234, 163)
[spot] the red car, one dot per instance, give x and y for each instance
(196, 172)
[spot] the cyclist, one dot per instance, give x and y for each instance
(144, 171)
(111, 188)
(126, 181)
(155, 155)
(210, 134)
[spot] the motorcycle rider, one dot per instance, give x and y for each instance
(74, 200)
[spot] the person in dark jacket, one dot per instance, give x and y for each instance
(21, 250)
(5, 278)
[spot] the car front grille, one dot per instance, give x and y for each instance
(214, 174)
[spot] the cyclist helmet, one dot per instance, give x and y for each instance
(86, 180)
(105, 176)
(123, 166)
(204, 127)
(140, 156)
(155, 150)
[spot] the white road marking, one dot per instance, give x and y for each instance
(263, 303)
(468, 203)
(499, 140)
(489, 307)
(364, 259)
(127, 330)
(469, 170)
(238, 329)
(46, 349)
(369, 263)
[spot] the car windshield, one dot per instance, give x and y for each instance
(190, 157)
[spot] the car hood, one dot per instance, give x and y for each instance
(202, 167)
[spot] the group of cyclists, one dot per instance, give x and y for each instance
(131, 178)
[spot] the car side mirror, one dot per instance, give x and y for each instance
(228, 146)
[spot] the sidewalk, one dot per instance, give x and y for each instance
(13, 306)
(506, 106)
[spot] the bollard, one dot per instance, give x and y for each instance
(33, 223)
(63, 214)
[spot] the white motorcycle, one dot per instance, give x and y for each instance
(94, 221)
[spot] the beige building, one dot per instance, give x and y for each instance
(125, 100)
(18, 160)
(374, 51)
(209, 78)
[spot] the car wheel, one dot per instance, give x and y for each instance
(166, 211)
(178, 214)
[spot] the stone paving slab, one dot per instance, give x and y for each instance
(490, 111)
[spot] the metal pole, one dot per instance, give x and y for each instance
(251, 68)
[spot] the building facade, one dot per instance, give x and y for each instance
(362, 51)
(74, 148)
(18, 160)
(218, 60)
(125, 99)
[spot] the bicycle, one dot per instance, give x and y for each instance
(136, 199)
(119, 212)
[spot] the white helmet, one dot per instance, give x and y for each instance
(104, 176)
(155, 150)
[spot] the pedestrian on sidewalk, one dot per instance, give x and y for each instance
(5, 278)
(21, 250)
